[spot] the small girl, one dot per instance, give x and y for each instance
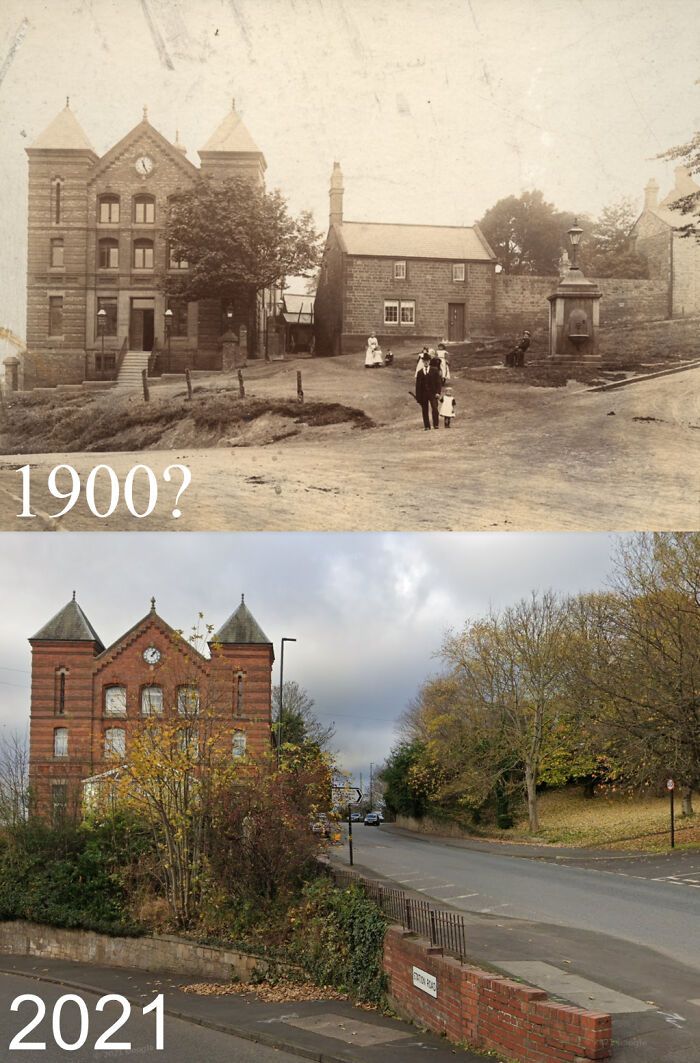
(447, 405)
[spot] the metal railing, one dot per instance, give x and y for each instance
(443, 929)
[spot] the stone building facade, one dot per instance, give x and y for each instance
(87, 699)
(96, 241)
(404, 282)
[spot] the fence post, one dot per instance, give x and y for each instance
(144, 381)
(188, 381)
(241, 385)
(407, 904)
(433, 928)
(300, 390)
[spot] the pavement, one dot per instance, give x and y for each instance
(328, 1031)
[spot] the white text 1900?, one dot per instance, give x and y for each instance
(104, 478)
(70, 1002)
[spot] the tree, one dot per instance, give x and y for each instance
(607, 250)
(526, 233)
(407, 787)
(299, 725)
(688, 155)
(14, 779)
(237, 239)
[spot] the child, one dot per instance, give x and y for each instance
(447, 406)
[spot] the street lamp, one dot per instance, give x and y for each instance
(101, 328)
(168, 315)
(279, 722)
(575, 233)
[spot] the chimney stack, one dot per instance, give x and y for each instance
(651, 195)
(336, 196)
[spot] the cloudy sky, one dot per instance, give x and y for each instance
(368, 610)
(434, 109)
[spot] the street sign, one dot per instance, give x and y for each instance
(670, 784)
(348, 793)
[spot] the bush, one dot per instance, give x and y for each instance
(337, 938)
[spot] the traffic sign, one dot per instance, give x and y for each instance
(670, 784)
(349, 793)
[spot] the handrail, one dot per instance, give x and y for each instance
(120, 357)
(152, 359)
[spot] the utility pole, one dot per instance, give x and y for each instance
(371, 786)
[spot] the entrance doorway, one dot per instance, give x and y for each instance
(455, 321)
(142, 325)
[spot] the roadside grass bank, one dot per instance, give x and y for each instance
(610, 820)
(112, 421)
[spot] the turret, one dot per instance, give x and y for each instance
(335, 194)
(232, 152)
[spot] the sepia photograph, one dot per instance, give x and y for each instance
(255, 254)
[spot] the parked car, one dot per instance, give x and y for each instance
(356, 817)
(372, 819)
(381, 817)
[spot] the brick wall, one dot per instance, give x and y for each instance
(686, 276)
(488, 1011)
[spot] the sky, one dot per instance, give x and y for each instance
(369, 611)
(435, 109)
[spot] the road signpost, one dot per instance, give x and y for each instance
(671, 786)
(348, 791)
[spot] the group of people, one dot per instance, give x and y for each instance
(432, 393)
(374, 359)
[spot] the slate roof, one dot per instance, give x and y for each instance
(241, 627)
(64, 133)
(70, 625)
(231, 135)
(414, 241)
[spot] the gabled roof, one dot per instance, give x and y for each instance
(144, 128)
(413, 241)
(240, 628)
(231, 136)
(70, 625)
(152, 619)
(63, 134)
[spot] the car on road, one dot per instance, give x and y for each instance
(356, 817)
(372, 819)
(379, 814)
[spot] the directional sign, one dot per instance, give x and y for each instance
(349, 793)
(670, 784)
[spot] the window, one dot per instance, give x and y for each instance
(115, 701)
(175, 261)
(108, 209)
(239, 743)
(239, 693)
(143, 254)
(108, 254)
(189, 741)
(188, 701)
(403, 313)
(59, 801)
(108, 303)
(55, 315)
(57, 252)
(60, 692)
(458, 271)
(57, 191)
(400, 271)
(144, 210)
(152, 701)
(60, 742)
(178, 322)
(115, 742)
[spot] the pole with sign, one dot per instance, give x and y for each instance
(671, 786)
(350, 832)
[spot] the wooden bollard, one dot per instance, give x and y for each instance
(241, 385)
(300, 390)
(144, 381)
(188, 381)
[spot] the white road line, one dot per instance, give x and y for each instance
(460, 897)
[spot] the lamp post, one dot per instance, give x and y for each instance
(575, 233)
(279, 722)
(168, 315)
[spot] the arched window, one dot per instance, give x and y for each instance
(57, 251)
(239, 743)
(188, 701)
(108, 254)
(239, 692)
(59, 704)
(115, 742)
(60, 741)
(152, 701)
(143, 254)
(144, 210)
(115, 701)
(56, 200)
(108, 210)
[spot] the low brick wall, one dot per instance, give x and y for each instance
(488, 1011)
(163, 953)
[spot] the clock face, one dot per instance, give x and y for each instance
(144, 165)
(151, 655)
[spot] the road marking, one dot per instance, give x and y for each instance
(494, 908)
(460, 897)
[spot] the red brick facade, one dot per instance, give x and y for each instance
(82, 690)
(490, 1012)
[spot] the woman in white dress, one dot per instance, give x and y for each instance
(373, 353)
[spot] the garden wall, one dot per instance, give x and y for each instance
(488, 1011)
(145, 953)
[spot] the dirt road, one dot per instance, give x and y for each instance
(515, 458)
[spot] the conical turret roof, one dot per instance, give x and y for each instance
(241, 627)
(69, 625)
(231, 136)
(63, 134)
